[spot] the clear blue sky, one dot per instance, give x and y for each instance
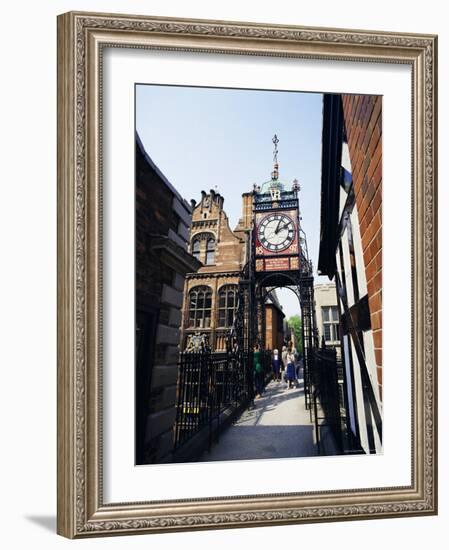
(206, 137)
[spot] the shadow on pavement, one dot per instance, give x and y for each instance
(250, 442)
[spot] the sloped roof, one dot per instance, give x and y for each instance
(149, 160)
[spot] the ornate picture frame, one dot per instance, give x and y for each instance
(82, 38)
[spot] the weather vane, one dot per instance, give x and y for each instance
(275, 154)
(275, 172)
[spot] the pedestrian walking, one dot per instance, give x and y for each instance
(284, 362)
(299, 365)
(276, 365)
(291, 374)
(258, 371)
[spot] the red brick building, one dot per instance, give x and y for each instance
(274, 323)
(211, 293)
(363, 123)
(351, 252)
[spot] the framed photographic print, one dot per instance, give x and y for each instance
(246, 274)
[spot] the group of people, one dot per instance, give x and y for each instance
(285, 365)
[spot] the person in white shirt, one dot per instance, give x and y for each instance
(291, 372)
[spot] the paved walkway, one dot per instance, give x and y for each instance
(278, 426)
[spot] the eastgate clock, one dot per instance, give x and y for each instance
(276, 232)
(276, 242)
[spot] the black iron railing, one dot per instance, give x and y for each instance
(327, 397)
(266, 365)
(193, 399)
(208, 384)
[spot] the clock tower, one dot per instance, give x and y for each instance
(277, 234)
(279, 259)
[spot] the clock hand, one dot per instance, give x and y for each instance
(284, 226)
(276, 231)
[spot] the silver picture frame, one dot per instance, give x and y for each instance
(82, 38)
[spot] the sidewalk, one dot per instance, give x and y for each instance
(278, 426)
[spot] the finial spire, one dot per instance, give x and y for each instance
(275, 172)
(275, 154)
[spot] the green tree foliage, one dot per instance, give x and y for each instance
(294, 322)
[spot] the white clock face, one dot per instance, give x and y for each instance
(276, 232)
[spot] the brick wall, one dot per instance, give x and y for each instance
(215, 335)
(209, 219)
(162, 228)
(246, 221)
(363, 121)
(274, 328)
(269, 327)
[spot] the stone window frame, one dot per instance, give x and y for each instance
(210, 251)
(226, 289)
(200, 308)
(330, 321)
(206, 252)
(196, 249)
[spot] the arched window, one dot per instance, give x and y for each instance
(210, 251)
(196, 249)
(200, 307)
(227, 305)
(203, 247)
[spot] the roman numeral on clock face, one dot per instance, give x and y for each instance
(276, 232)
